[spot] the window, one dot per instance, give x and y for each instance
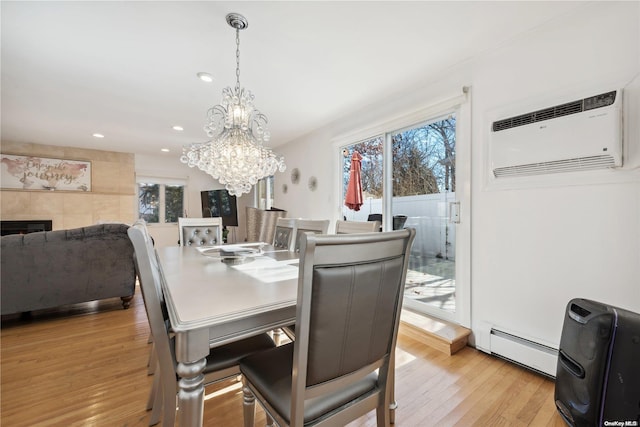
(160, 203)
(263, 195)
(371, 167)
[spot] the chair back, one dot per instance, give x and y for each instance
(398, 221)
(317, 226)
(261, 224)
(374, 217)
(285, 233)
(150, 278)
(350, 227)
(200, 231)
(350, 290)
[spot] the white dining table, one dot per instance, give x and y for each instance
(212, 303)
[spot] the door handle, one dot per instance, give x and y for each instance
(454, 212)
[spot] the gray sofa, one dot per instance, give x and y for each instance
(52, 268)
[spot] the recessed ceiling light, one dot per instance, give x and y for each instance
(98, 135)
(205, 77)
(164, 150)
(178, 128)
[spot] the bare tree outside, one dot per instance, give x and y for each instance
(174, 206)
(157, 199)
(424, 160)
(148, 202)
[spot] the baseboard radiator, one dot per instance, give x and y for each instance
(524, 352)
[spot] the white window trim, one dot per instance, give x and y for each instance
(164, 181)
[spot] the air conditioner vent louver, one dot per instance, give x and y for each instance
(568, 165)
(566, 109)
(546, 114)
(570, 136)
(574, 107)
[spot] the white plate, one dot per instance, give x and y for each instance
(234, 254)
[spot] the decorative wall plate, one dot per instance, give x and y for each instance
(295, 176)
(313, 183)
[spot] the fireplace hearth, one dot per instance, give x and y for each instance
(25, 226)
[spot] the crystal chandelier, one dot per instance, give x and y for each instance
(235, 155)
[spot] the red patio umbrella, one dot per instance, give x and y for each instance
(353, 198)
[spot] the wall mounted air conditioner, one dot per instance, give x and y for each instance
(579, 135)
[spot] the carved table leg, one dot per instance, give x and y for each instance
(191, 392)
(248, 406)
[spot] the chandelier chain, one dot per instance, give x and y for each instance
(237, 59)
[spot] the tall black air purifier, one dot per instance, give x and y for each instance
(598, 372)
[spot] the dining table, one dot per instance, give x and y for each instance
(221, 294)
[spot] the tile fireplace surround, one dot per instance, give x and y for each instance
(113, 195)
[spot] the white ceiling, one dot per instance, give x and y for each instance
(128, 69)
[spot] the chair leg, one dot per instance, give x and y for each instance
(391, 396)
(392, 411)
(382, 415)
(249, 406)
(169, 405)
(270, 422)
(155, 401)
(155, 386)
(153, 359)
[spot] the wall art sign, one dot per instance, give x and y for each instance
(40, 173)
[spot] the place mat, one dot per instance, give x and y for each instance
(268, 270)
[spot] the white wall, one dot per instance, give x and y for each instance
(536, 248)
(533, 248)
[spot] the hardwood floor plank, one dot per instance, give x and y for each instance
(468, 392)
(86, 364)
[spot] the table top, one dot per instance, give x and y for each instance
(202, 291)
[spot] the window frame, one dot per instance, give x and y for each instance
(162, 182)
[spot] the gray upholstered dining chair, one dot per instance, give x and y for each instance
(350, 227)
(261, 224)
(301, 226)
(350, 290)
(222, 362)
(318, 226)
(284, 233)
(342, 227)
(200, 231)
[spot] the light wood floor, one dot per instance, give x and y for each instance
(86, 365)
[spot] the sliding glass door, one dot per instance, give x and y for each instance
(424, 197)
(409, 179)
